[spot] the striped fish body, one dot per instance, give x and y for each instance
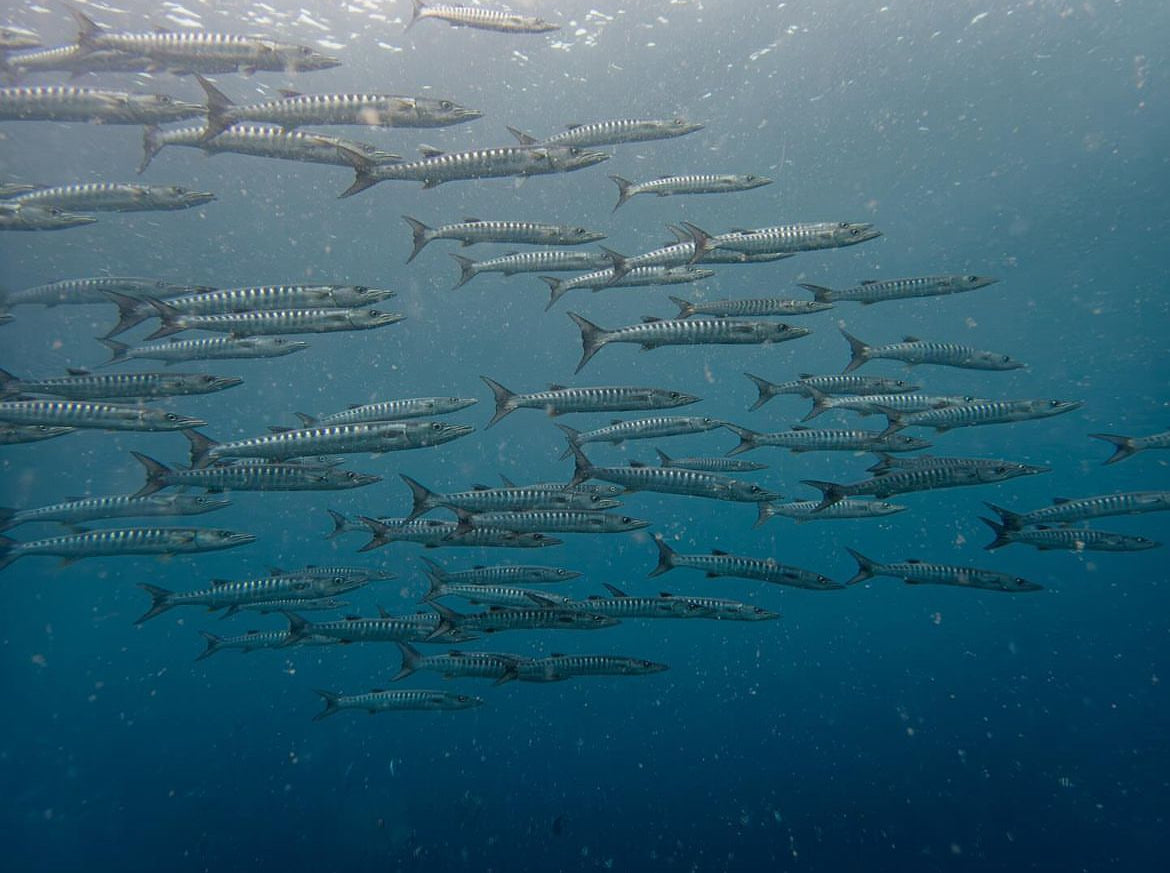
(645, 428)
(398, 410)
(802, 439)
(988, 412)
(635, 278)
(115, 197)
(59, 103)
(15, 434)
(339, 574)
(396, 701)
(889, 464)
(792, 238)
(374, 630)
(555, 261)
(915, 351)
(558, 667)
(508, 499)
(87, 414)
(253, 640)
(654, 333)
(1066, 511)
(456, 664)
(227, 348)
(370, 110)
(883, 404)
(502, 574)
(644, 607)
(125, 541)
(727, 610)
(73, 59)
(474, 230)
(260, 477)
(333, 439)
(698, 183)
(749, 308)
(479, 18)
(710, 465)
(809, 385)
(317, 604)
(499, 618)
(551, 521)
(720, 563)
(90, 386)
(9, 190)
(239, 593)
(95, 508)
(1067, 539)
(621, 130)
(435, 169)
(1125, 446)
(93, 290)
(922, 573)
(26, 217)
(672, 480)
(496, 595)
(870, 292)
(806, 510)
(275, 322)
(922, 479)
(433, 534)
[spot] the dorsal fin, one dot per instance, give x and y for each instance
(428, 151)
(572, 126)
(911, 339)
(614, 590)
(650, 319)
(77, 371)
(216, 583)
(638, 464)
(868, 282)
(288, 93)
(801, 427)
(1059, 500)
(508, 483)
(718, 552)
(554, 386)
(471, 219)
(479, 486)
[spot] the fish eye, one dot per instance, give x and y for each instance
(172, 417)
(562, 572)
(674, 395)
(373, 313)
(207, 380)
(854, 232)
(163, 98)
(351, 475)
(1004, 358)
(842, 224)
(972, 278)
(436, 425)
(446, 104)
(755, 489)
(627, 520)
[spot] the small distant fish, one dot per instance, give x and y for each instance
(804, 439)
(702, 183)
(1069, 539)
(921, 573)
(622, 130)
(709, 465)
(560, 399)
(124, 541)
(178, 351)
(748, 308)
(912, 350)
(479, 18)
(254, 639)
(806, 510)
(475, 230)
(873, 291)
(721, 563)
(1126, 446)
(115, 197)
(395, 701)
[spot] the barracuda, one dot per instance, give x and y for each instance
(1066, 510)
(14, 216)
(515, 499)
(432, 534)
(61, 103)
(793, 238)
(479, 18)
(973, 414)
(492, 595)
(15, 434)
(103, 416)
(341, 439)
(915, 351)
(499, 618)
(395, 701)
(263, 142)
(1126, 446)
(558, 261)
(808, 385)
(613, 132)
(502, 574)
(384, 629)
(558, 667)
(721, 608)
(882, 404)
(625, 606)
(873, 291)
(74, 60)
(437, 167)
(475, 230)
(124, 541)
(641, 429)
(134, 310)
(888, 463)
(803, 439)
(371, 110)
(83, 509)
(83, 385)
(559, 399)
(920, 573)
(391, 410)
(922, 479)
(801, 511)
(456, 664)
(698, 183)
(1068, 539)
(748, 308)
(115, 197)
(709, 465)
(94, 290)
(178, 351)
(631, 278)
(653, 333)
(548, 521)
(720, 563)
(254, 639)
(250, 477)
(233, 595)
(670, 480)
(271, 322)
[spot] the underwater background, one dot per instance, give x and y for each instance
(881, 727)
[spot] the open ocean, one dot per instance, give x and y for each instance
(881, 727)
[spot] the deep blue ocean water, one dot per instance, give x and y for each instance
(882, 727)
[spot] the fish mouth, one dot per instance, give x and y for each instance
(451, 431)
(239, 539)
(193, 108)
(588, 159)
(182, 421)
(464, 114)
(197, 198)
(364, 479)
(636, 524)
(222, 382)
(605, 503)
(389, 318)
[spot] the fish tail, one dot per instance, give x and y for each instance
(410, 658)
(378, 531)
(419, 6)
(765, 512)
(624, 186)
(859, 350)
(820, 403)
(685, 308)
(582, 469)
(747, 439)
(117, 350)
(448, 621)
(592, 338)
(1010, 520)
(87, 31)
(1002, 537)
(702, 239)
(7, 513)
(298, 629)
(664, 460)
(766, 390)
(218, 108)
(214, 644)
(467, 270)
(155, 473)
(160, 601)
(7, 547)
(865, 567)
(504, 399)
(573, 436)
(201, 445)
(666, 556)
(362, 171)
(151, 145)
(557, 288)
(9, 384)
(884, 463)
(424, 498)
(820, 293)
(421, 233)
(1123, 446)
(131, 312)
(831, 491)
(330, 697)
(621, 265)
(436, 580)
(168, 315)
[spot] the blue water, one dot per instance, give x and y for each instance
(883, 727)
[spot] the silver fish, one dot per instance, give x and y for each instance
(271, 322)
(73, 59)
(395, 701)
(61, 103)
(640, 429)
(103, 416)
(124, 541)
(83, 385)
(873, 291)
(391, 410)
(115, 197)
(632, 278)
(14, 434)
(254, 639)
(613, 132)
(13, 216)
(921, 479)
(564, 261)
(475, 230)
(806, 384)
(1069, 539)
(479, 18)
(915, 351)
(921, 573)
(748, 308)
(250, 477)
(1127, 446)
(558, 667)
(457, 664)
(95, 289)
(792, 238)
(1066, 510)
(500, 574)
(720, 563)
(987, 412)
(806, 510)
(515, 499)
(697, 183)
(548, 521)
(709, 465)
(82, 509)
(234, 594)
(219, 348)
(803, 439)
(559, 399)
